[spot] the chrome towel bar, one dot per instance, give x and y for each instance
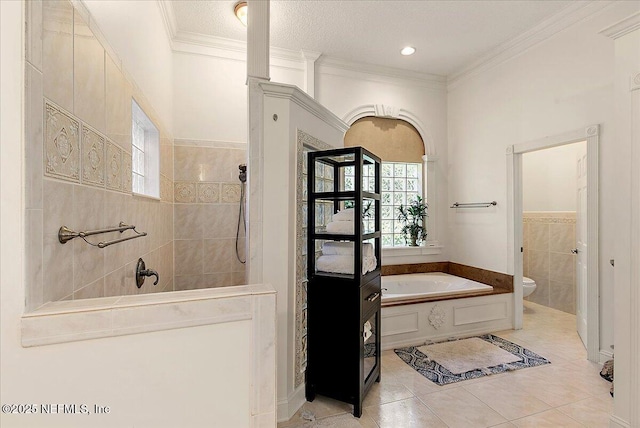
(473, 204)
(65, 234)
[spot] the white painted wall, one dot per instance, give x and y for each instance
(549, 179)
(559, 85)
(135, 30)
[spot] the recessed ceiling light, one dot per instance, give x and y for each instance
(408, 50)
(240, 9)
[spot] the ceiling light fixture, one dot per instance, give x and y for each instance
(240, 9)
(408, 50)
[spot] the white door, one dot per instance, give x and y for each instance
(581, 244)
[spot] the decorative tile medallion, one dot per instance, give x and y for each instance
(93, 145)
(230, 192)
(437, 317)
(114, 166)
(61, 144)
(126, 172)
(208, 192)
(305, 144)
(184, 192)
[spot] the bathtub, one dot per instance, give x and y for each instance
(422, 307)
(422, 286)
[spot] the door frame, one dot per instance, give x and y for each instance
(590, 134)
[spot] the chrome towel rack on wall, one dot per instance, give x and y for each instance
(473, 204)
(65, 234)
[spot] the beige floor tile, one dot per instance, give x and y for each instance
(459, 408)
(510, 401)
(549, 419)
(339, 421)
(409, 413)
(321, 407)
(593, 412)
(386, 392)
(505, 425)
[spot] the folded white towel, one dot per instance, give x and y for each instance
(343, 264)
(340, 227)
(345, 248)
(367, 326)
(343, 215)
(367, 335)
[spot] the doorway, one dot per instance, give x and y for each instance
(586, 302)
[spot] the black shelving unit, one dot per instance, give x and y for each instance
(343, 361)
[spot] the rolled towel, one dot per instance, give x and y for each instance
(345, 248)
(340, 227)
(343, 215)
(343, 264)
(367, 334)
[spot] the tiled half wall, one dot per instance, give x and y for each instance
(78, 164)
(548, 239)
(207, 195)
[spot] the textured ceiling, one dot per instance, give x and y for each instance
(447, 34)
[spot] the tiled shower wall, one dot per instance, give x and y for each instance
(78, 164)
(549, 238)
(207, 202)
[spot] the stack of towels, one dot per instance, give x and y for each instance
(337, 257)
(341, 222)
(367, 331)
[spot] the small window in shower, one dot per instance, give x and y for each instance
(145, 154)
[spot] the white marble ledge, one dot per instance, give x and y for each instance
(68, 321)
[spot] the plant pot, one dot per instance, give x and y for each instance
(414, 241)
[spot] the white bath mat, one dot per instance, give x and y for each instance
(461, 356)
(459, 360)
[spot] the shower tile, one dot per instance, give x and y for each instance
(188, 282)
(90, 291)
(166, 156)
(219, 255)
(118, 105)
(184, 192)
(189, 164)
(88, 73)
(58, 264)
(33, 40)
(115, 284)
(57, 52)
(88, 209)
(33, 262)
(88, 263)
(61, 144)
(230, 193)
(562, 296)
(562, 237)
(208, 192)
(541, 293)
(539, 236)
(561, 267)
(239, 278)
(525, 234)
(114, 166)
(213, 280)
(166, 189)
(57, 205)
(189, 220)
(525, 262)
(220, 221)
(92, 156)
(126, 172)
(33, 136)
(188, 257)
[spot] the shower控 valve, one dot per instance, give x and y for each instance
(243, 172)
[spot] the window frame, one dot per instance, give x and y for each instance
(150, 152)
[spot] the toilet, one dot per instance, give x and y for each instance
(528, 286)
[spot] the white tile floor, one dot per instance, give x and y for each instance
(569, 392)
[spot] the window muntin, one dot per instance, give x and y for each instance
(145, 153)
(401, 184)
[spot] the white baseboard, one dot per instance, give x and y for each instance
(616, 422)
(288, 407)
(605, 356)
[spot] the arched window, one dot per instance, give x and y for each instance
(401, 149)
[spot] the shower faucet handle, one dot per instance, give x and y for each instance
(142, 272)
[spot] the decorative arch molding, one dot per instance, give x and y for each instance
(393, 112)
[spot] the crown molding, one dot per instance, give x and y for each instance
(622, 27)
(301, 98)
(169, 19)
(570, 15)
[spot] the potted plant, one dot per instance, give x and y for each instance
(412, 215)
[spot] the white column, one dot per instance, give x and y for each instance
(310, 59)
(429, 182)
(257, 71)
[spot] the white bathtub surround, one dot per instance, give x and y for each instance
(409, 287)
(244, 316)
(414, 324)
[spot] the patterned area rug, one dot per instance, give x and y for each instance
(431, 361)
